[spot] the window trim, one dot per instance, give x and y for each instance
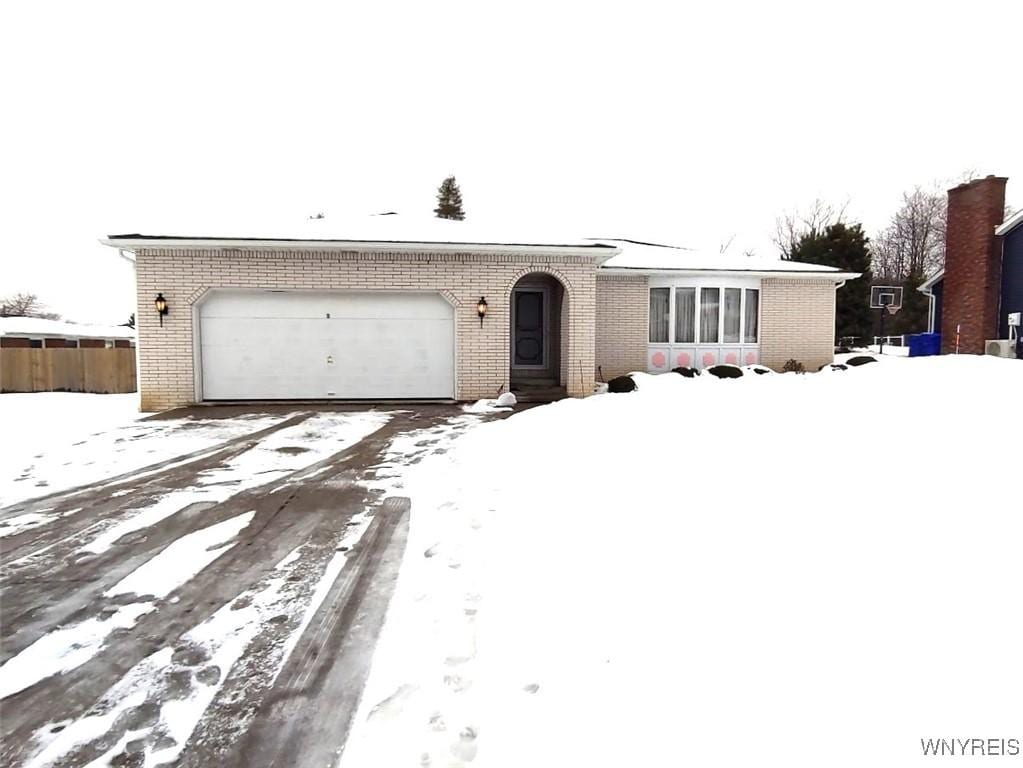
(673, 312)
(699, 331)
(742, 319)
(649, 313)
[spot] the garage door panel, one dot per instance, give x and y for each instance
(315, 304)
(258, 346)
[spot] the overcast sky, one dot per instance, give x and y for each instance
(659, 120)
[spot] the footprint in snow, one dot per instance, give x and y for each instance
(457, 683)
(465, 748)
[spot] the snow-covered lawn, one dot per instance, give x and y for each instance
(53, 441)
(796, 570)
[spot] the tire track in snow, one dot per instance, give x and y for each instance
(71, 646)
(278, 629)
(319, 438)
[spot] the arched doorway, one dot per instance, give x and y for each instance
(537, 350)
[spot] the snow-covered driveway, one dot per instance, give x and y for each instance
(202, 590)
(778, 570)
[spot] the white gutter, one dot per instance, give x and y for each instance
(133, 245)
(837, 276)
(1011, 223)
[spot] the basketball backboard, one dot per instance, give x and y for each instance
(886, 297)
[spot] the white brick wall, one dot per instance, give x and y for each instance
(167, 356)
(797, 322)
(622, 323)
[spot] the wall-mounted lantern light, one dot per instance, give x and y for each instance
(161, 307)
(481, 309)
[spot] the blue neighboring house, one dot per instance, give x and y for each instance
(1010, 233)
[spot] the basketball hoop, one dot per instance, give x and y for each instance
(885, 297)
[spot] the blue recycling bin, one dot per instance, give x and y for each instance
(924, 344)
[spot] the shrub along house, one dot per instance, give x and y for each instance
(438, 309)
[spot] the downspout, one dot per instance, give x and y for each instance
(928, 292)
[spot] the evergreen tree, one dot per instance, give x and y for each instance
(846, 247)
(449, 200)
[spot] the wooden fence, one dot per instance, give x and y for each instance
(67, 370)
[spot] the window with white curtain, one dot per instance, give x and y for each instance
(659, 315)
(702, 314)
(685, 315)
(752, 313)
(710, 304)
(732, 315)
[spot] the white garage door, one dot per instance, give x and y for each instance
(281, 345)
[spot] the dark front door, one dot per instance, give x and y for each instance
(529, 330)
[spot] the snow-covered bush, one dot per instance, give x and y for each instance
(793, 366)
(506, 399)
(725, 371)
(687, 372)
(621, 384)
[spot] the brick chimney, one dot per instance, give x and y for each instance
(973, 265)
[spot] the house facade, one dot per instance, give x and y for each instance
(450, 314)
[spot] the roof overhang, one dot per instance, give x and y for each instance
(929, 283)
(133, 243)
(1010, 224)
(836, 277)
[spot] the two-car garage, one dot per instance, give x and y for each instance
(270, 345)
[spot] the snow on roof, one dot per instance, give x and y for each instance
(37, 326)
(380, 228)
(395, 228)
(657, 257)
(1010, 223)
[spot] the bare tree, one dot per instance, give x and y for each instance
(25, 305)
(792, 226)
(913, 243)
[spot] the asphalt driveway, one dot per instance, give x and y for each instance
(217, 608)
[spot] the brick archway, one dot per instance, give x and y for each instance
(540, 334)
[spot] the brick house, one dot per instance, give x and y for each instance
(982, 281)
(40, 333)
(443, 311)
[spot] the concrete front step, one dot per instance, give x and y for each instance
(538, 394)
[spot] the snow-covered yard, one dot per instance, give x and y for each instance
(796, 570)
(817, 569)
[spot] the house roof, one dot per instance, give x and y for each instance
(1010, 224)
(930, 282)
(654, 257)
(372, 232)
(37, 326)
(385, 231)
